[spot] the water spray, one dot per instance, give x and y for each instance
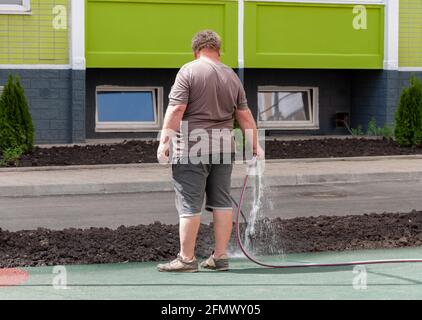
(255, 167)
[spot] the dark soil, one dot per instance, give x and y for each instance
(328, 148)
(145, 151)
(160, 242)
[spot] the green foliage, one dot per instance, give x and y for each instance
(11, 156)
(8, 134)
(408, 131)
(239, 137)
(357, 131)
(373, 130)
(26, 119)
(236, 124)
(16, 128)
(387, 132)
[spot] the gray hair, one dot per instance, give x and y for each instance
(206, 39)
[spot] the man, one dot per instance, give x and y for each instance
(206, 95)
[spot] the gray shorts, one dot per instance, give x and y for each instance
(193, 181)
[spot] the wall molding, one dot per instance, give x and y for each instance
(391, 35)
(77, 34)
(407, 69)
(240, 34)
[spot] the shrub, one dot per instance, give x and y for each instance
(16, 128)
(387, 132)
(8, 134)
(408, 130)
(26, 119)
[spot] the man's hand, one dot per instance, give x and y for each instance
(247, 123)
(163, 152)
(259, 153)
(172, 120)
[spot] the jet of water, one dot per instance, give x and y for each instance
(261, 237)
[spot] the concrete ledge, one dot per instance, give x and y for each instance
(142, 178)
(83, 189)
(160, 186)
(166, 186)
(86, 167)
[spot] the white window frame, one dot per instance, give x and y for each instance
(25, 8)
(312, 124)
(131, 126)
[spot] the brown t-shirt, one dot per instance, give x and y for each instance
(212, 92)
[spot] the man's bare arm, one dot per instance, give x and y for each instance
(248, 126)
(172, 120)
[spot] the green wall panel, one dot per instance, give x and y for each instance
(410, 43)
(148, 34)
(32, 39)
(292, 35)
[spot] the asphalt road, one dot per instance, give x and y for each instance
(58, 212)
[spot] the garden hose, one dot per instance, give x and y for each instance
(304, 265)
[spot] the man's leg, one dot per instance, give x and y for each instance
(223, 223)
(189, 185)
(220, 203)
(188, 231)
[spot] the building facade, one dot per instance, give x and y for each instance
(308, 66)
(38, 43)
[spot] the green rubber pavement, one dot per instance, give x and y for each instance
(245, 281)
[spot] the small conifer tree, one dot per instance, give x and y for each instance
(408, 131)
(16, 128)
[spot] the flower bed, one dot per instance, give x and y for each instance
(145, 151)
(160, 242)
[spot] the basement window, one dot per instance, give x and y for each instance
(15, 6)
(290, 108)
(128, 109)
